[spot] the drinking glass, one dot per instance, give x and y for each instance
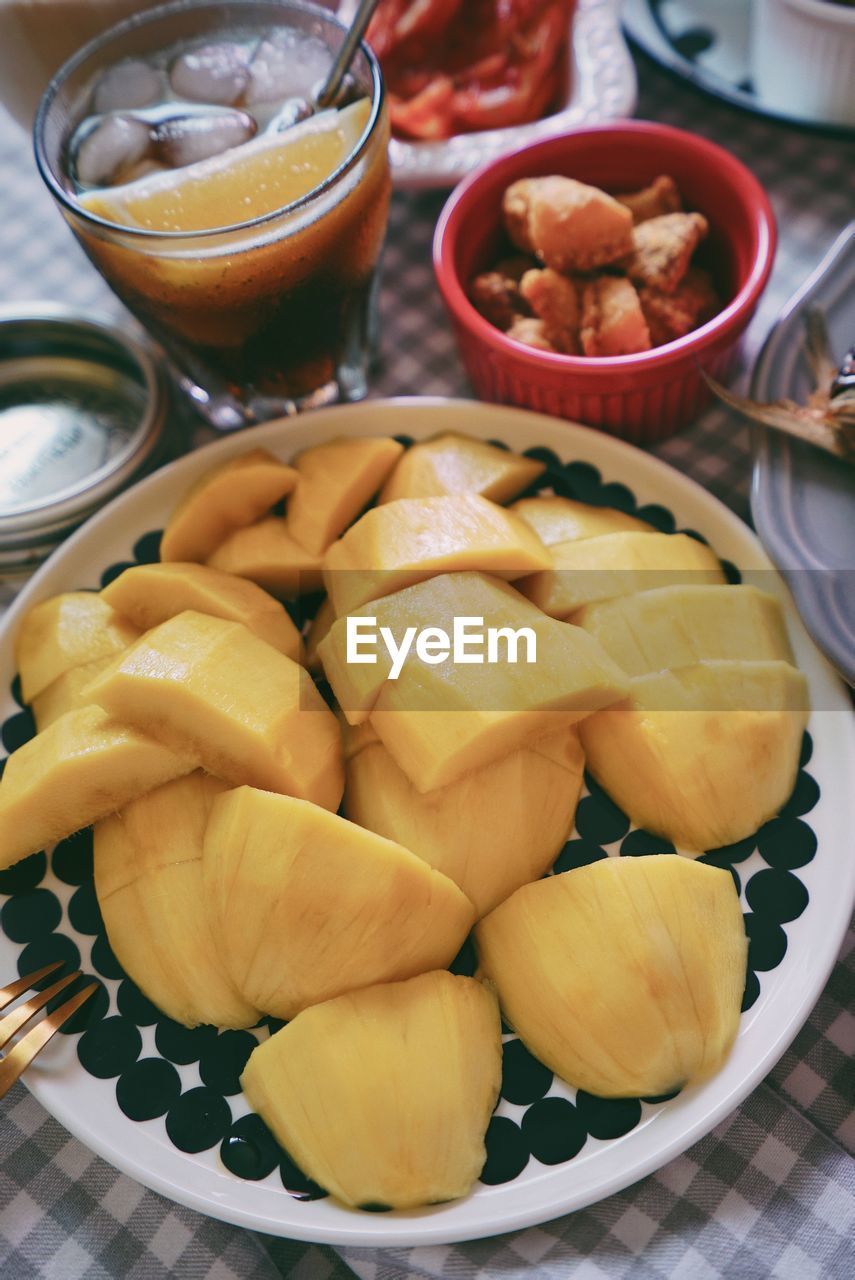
(266, 316)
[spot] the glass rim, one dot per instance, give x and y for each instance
(150, 17)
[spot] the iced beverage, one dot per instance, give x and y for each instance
(241, 224)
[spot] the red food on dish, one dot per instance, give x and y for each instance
(454, 67)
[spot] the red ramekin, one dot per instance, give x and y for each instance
(644, 397)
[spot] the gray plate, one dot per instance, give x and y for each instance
(802, 500)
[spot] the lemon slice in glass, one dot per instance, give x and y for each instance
(236, 186)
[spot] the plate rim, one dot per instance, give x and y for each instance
(579, 443)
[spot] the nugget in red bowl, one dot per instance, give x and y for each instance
(608, 294)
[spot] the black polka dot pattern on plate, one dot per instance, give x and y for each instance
(553, 1131)
(198, 1120)
(550, 1129)
(507, 1152)
(90, 1012)
(524, 1079)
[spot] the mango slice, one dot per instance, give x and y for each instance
(149, 594)
(308, 906)
(677, 626)
(235, 494)
(624, 977)
(383, 1096)
(247, 713)
(703, 755)
(493, 830)
(556, 519)
(319, 628)
(615, 564)
(440, 721)
(412, 539)
(148, 878)
(459, 464)
(267, 555)
(67, 631)
(66, 693)
(81, 768)
(337, 481)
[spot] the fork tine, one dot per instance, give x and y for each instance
(17, 988)
(12, 1023)
(19, 1058)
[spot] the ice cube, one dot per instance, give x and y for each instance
(129, 84)
(286, 65)
(211, 73)
(117, 142)
(292, 111)
(184, 139)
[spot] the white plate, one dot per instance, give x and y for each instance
(601, 86)
(87, 1106)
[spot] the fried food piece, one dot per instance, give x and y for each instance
(497, 298)
(673, 315)
(663, 247)
(515, 267)
(532, 332)
(568, 225)
(613, 323)
(662, 196)
(554, 299)
(516, 206)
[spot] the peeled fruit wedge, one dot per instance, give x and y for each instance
(78, 770)
(383, 1096)
(403, 542)
(556, 519)
(243, 183)
(441, 721)
(67, 631)
(266, 554)
(677, 626)
(66, 693)
(624, 977)
(493, 830)
(149, 594)
(244, 711)
(459, 464)
(229, 497)
(337, 480)
(616, 564)
(307, 906)
(705, 754)
(148, 878)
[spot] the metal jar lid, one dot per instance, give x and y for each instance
(82, 410)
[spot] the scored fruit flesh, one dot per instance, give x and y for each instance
(308, 906)
(67, 631)
(148, 878)
(556, 519)
(383, 1096)
(625, 977)
(266, 554)
(451, 463)
(337, 480)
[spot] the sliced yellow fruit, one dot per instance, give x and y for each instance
(616, 564)
(308, 905)
(266, 554)
(556, 519)
(81, 768)
(412, 539)
(677, 626)
(451, 463)
(624, 977)
(383, 1096)
(493, 830)
(243, 183)
(246, 712)
(67, 631)
(321, 623)
(149, 594)
(233, 495)
(66, 693)
(703, 755)
(337, 480)
(148, 878)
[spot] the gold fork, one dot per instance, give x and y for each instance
(21, 1055)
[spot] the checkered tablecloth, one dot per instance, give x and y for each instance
(771, 1191)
